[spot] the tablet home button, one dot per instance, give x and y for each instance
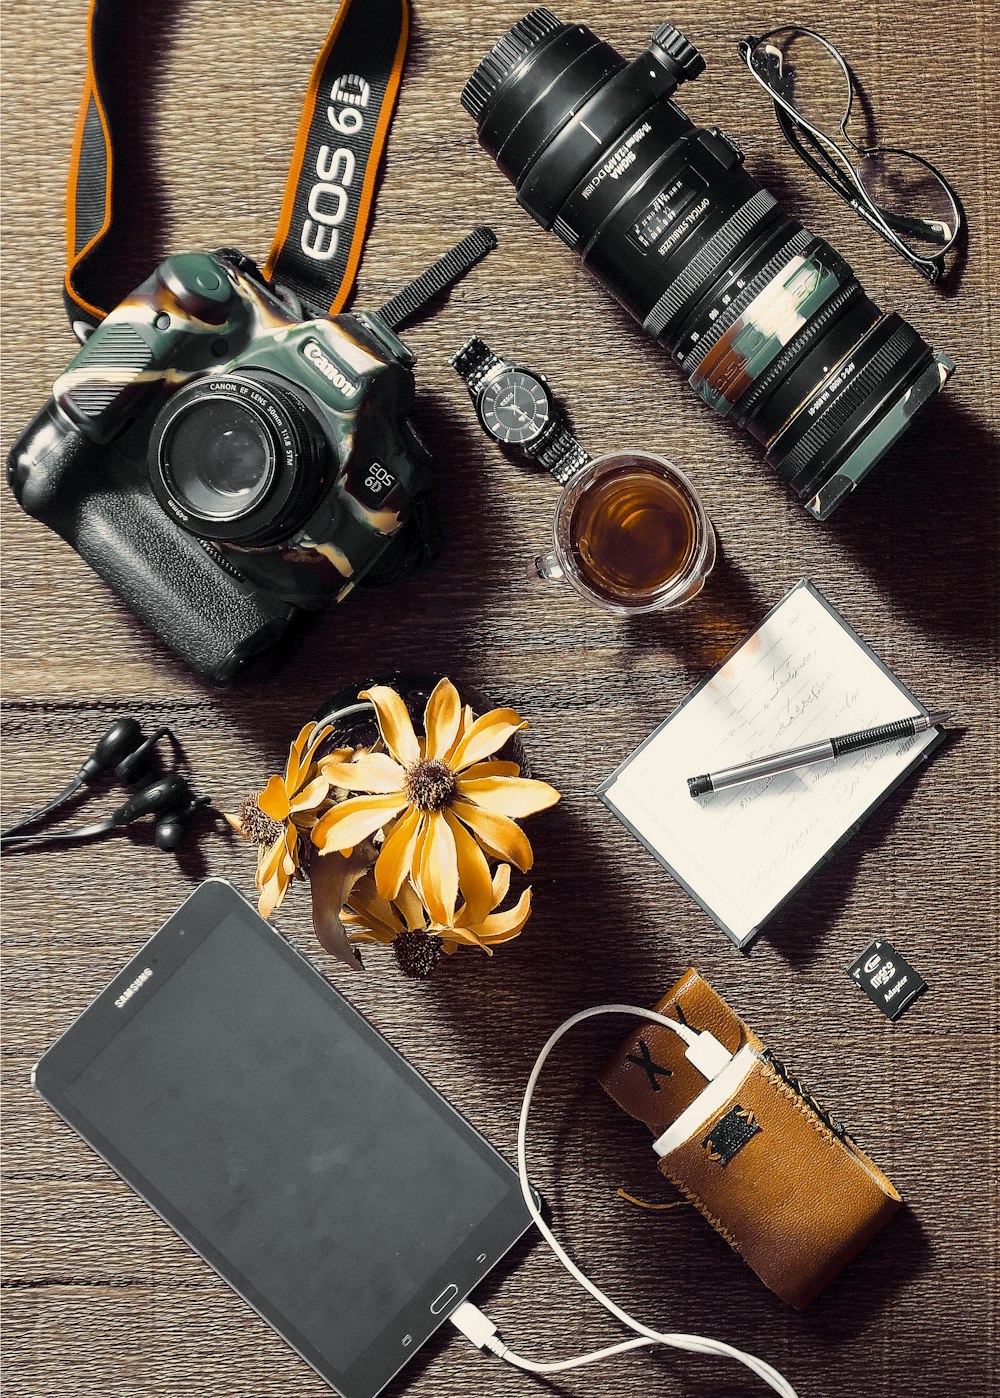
(439, 1303)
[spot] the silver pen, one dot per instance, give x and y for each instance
(824, 751)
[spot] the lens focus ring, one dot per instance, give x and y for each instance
(711, 256)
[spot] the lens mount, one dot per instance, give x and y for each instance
(237, 457)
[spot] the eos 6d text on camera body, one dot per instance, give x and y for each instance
(768, 321)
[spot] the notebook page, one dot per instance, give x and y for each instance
(800, 677)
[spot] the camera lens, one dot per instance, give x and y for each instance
(768, 322)
(238, 457)
(219, 459)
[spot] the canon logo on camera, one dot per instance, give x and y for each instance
(319, 359)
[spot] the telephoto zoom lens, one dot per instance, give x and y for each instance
(767, 321)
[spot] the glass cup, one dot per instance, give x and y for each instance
(631, 534)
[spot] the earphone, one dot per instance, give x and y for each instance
(710, 1058)
(133, 757)
(122, 738)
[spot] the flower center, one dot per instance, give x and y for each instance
(429, 785)
(258, 827)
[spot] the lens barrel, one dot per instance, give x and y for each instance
(767, 321)
(237, 458)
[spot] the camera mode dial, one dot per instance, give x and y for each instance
(678, 52)
(200, 285)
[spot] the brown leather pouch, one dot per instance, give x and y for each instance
(765, 1164)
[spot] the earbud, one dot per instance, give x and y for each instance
(122, 738)
(172, 828)
(136, 765)
(165, 794)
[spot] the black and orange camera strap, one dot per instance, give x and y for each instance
(330, 189)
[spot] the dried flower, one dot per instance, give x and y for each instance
(274, 818)
(371, 918)
(441, 803)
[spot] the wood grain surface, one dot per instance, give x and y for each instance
(101, 1299)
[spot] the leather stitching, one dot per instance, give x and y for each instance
(703, 1209)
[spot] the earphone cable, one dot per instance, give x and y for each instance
(47, 810)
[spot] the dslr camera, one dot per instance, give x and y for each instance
(225, 464)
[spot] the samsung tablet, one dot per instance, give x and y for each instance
(240, 1094)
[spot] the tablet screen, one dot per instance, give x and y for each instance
(296, 1146)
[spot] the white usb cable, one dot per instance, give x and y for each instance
(710, 1058)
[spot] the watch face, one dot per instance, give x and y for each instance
(514, 407)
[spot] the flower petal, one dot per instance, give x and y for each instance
(370, 771)
(486, 736)
(294, 765)
(408, 902)
(497, 835)
(502, 927)
(492, 768)
(273, 800)
(464, 935)
(316, 741)
(236, 823)
(509, 796)
(270, 860)
(376, 914)
(442, 719)
(473, 873)
(394, 723)
(310, 795)
(395, 862)
(501, 883)
(468, 719)
(437, 871)
(349, 822)
(271, 894)
(332, 880)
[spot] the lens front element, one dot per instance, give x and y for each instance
(238, 458)
(218, 458)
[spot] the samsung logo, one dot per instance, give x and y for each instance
(320, 360)
(137, 984)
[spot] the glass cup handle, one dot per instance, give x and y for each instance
(545, 568)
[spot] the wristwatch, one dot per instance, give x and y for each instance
(515, 408)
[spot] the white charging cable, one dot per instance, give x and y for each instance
(709, 1057)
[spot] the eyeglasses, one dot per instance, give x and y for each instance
(902, 196)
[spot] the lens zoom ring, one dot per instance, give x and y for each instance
(744, 409)
(742, 299)
(847, 401)
(502, 57)
(711, 256)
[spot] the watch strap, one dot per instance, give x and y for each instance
(475, 362)
(558, 451)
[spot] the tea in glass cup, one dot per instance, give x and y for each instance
(631, 534)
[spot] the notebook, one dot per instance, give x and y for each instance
(803, 674)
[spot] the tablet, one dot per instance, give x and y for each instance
(249, 1104)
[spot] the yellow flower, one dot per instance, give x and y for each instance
(371, 918)
(443, 805)
(274, 818)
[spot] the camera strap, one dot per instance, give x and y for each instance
(330, 190)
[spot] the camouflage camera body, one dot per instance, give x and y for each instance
(225, 464)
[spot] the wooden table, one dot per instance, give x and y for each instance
(101, 1299)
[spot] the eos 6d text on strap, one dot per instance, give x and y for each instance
(331, 184)
(330, 190)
